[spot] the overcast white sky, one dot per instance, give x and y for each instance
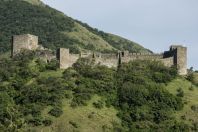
(155, 24)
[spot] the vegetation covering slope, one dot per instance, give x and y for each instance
(84, 119)
(54, 29)
(35, 95)
(189, 114)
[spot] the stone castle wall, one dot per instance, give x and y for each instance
(175, 56)
(25, 41)
(66, 59)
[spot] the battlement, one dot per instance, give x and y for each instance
(174, 47)
(175, 56)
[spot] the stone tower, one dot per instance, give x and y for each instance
(26, 41)
(63, 58)
(180, 58)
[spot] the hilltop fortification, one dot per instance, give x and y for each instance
(175, 56)
(25, 41)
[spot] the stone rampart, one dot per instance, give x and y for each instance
(25, 41)
(176, 56)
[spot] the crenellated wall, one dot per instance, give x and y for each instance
(175, 56)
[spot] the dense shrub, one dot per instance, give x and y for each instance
(141, 96)
(56, 111)
(74, 124)
(180, 92)
(47, 122)
(135, 89)
(36, 121)
(99, 104)
(52, 65)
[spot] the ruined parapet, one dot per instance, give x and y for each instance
(26, 41)
(86, 54)
(66, 59)
(125, 53)
(45, 55)
(180, 58)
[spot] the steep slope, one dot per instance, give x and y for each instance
(90, 40)
(189, 114)
(117, 41)
(83, 119)
(140, 96)
(34, 2)
(54, 29)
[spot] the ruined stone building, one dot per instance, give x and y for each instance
(30, 42)
(175, 56)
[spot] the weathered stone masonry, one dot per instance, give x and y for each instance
(25, 41)
(176, 56)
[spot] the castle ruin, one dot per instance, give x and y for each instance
(175, 56)
(25, 41)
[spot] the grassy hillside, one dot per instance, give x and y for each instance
(34, 2)
(189, 114)
(117, 41)
(90, 40)
(36, 95)
(196, 78)
(54, 29)
(83, 119)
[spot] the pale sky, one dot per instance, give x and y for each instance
(155, 24)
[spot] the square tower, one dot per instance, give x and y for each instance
(180, 58)
(63, 57)
(26, 41)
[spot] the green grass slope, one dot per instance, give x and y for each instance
(188, 114)
(117, 41)
(83, 119)
(90, 40)
(140, 96)
(196, 78)
(54, 29)
(124, 44)
(34, 2)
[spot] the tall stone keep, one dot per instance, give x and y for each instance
(63, 58)
(180, 58)
(26, 41)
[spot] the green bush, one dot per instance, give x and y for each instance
(180, 92)
(74, 124)
(191, 88)
(56, 111)
(194, 108)
(99, 104)
(136, 90)
(36, 121)
(52, 65)
(47, 122)
(68, 94)
(41, 65)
